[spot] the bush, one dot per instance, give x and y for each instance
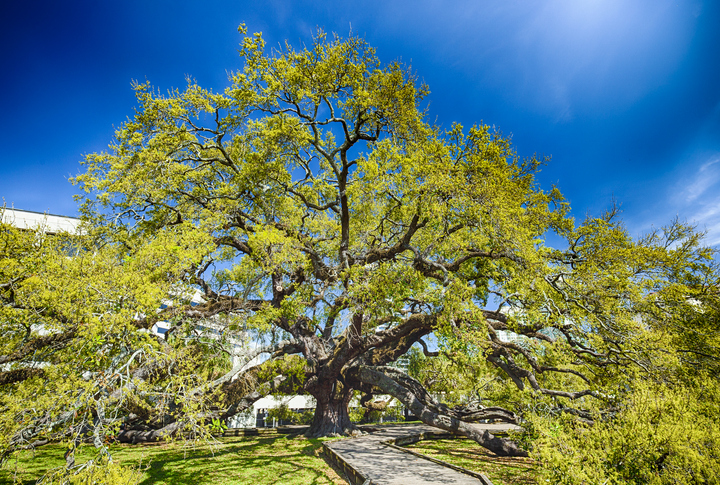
(306, 417)
(284, 413)
(660, 436)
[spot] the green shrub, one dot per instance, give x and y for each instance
(661, 435)
(284, 413)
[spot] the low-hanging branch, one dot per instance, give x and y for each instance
(428, 415)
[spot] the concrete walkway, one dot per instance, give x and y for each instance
(367, 458)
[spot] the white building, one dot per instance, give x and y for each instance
(48, 223)
(257, 414)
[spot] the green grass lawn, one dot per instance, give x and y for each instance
(468, 454)
(242, 460)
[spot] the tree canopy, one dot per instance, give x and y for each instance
(319, 214)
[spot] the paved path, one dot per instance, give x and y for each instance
(384, 465)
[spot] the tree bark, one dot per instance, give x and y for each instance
(135, 436)
(332, 417)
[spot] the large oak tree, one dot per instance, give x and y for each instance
(318, 213)
(342, 220)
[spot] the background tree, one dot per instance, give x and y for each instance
(663, 413)
(73, 347)
(615, 378)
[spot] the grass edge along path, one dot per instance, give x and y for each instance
(256, 460)
(467, 454)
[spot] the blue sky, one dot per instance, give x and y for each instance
(623, 94)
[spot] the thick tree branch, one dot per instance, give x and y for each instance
(52, 341)
(499, 446)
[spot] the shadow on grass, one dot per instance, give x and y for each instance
(467, 454)
(274, 460)
(235, 461)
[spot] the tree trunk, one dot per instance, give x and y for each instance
(332, 417)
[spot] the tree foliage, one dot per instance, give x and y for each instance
(78, 362)
(319, 215)
(623, 389)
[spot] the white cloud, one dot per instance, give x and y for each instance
(713, 233)
(691, 193)
(699, 198)
(706, 176)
